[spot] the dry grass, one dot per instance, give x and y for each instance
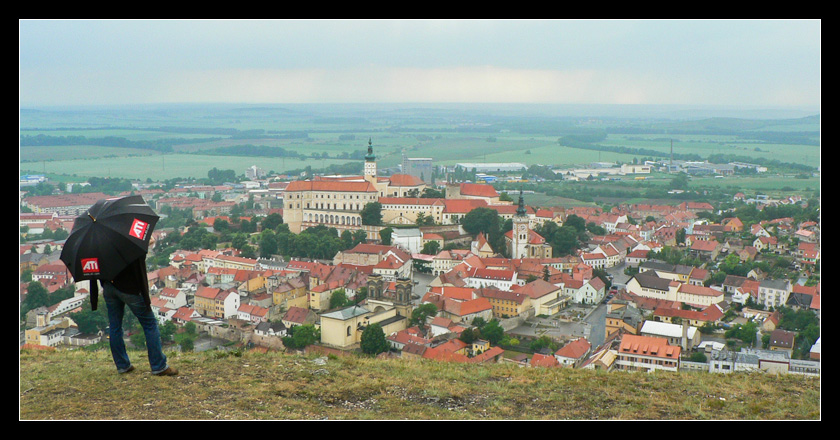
(79, 385)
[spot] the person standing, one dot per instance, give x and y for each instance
(130, 289)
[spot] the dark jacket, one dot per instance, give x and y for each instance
(132, 280)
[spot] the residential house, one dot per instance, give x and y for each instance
(622, 318)
(545, 297)
(591, 291)
(543, 360)
(636, 257)
(466, 311)
(773, 293)
(161, 309)
(683, 335)
(216, 303)
(506, 303)
(698, 296)
(252, 313)
(765, 243)
(574, 353)
(48, 332)
(407, 337)
(646, 353)
(175, 298)
(710, 315)
(649, 285)
(295, 316)
(291, 293)
(270, 329)
(184, 315)
(501, 279)
(782, 340)
(707, 250)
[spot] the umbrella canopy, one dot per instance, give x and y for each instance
(112, 234)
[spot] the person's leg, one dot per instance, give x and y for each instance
(116, 310)
(147, 319)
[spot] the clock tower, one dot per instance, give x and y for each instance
(521, 231)
(370, 164)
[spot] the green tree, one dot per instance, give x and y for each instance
(91, 321)
(272, 221)
(432, 193)
(268, 243)
(372, 214)
(167, 331)
(373, 340)
(431, 248)
(564, 241)
(385, 235)
(468, 336)
(221, 224)
(302, 336)
(483, 220)
(420, 313)
(542, 342)
(424, 220)
(680, 181)
(338, 299)
(36, 296)
(138, 340)
(493, 332)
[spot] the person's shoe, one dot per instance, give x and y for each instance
(129, 370)
(168, 372)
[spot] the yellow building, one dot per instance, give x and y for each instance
(505, 303)
(343, 328)
(292, 293)
(404, 210)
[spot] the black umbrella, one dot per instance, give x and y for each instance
(111, 236)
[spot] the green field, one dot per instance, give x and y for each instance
(447, 135)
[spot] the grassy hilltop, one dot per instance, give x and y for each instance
(217, 385)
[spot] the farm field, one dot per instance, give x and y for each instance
(162, 167)
(325, 135)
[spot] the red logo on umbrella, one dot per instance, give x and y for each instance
(138, 229)
(90, 265)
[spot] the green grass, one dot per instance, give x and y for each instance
(81, 385)
(159, 167)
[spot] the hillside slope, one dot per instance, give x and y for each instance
(217, 385)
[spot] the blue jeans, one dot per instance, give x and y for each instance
(116, 301)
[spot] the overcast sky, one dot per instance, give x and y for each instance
(772, 63)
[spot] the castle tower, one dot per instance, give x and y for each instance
(521, 231)
(370, 164)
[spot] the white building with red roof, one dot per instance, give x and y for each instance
(573, 353)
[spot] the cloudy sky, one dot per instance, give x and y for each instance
(772, 63)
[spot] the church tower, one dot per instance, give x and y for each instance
(521, 231)
(370, 164)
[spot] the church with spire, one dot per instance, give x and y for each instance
(521, 240)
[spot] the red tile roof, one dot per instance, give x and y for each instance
(404, 180)
(462, 206)
(330, 185)
(478, 190)
(648, 346)
(575, 349)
